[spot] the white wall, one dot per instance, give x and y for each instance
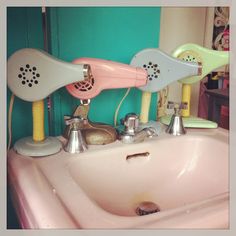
(180, 25)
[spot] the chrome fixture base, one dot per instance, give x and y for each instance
(176, 126)
(76, 142)
(133, 132)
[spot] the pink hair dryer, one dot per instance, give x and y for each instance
(106, 75)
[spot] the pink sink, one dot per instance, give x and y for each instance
(185, 178)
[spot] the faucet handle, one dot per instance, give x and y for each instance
(131, 122)
(183, 106)
(170, 105)
(75, 121)
(177, 106)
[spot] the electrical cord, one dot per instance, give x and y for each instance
(10, 121)
(118, 108)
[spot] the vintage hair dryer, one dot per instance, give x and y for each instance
(162, 69)
(210, 59)
(32, 75)
(106, 75)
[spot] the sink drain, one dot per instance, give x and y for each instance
(146, 208)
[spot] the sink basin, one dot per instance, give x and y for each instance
(185, 178)
(178, 171)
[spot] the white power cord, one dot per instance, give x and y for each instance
(10, 121)
(118, 108)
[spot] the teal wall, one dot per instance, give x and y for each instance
(113, 33)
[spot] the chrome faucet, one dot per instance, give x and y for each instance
(133, 132)
(76, 142)
(176, 126)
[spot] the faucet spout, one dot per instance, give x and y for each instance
(137, 137)
(133, 132)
